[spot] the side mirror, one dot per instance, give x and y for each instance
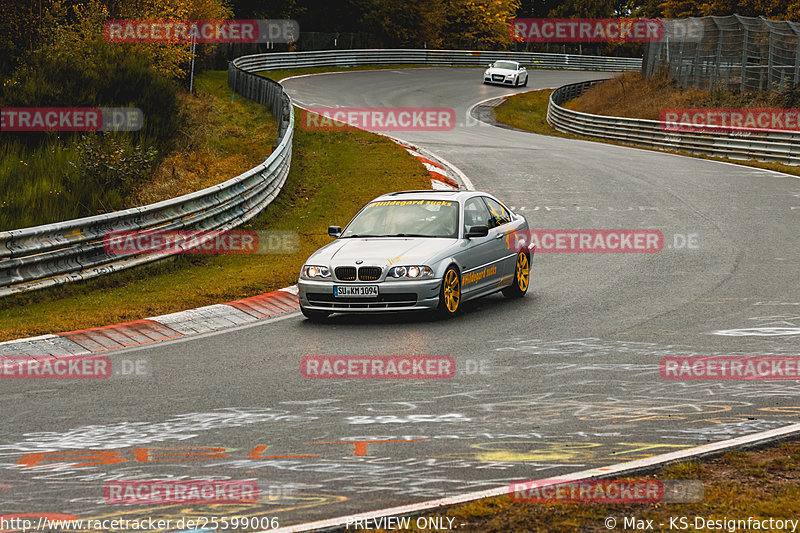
(491, 65)
(334, 231)
(477, 231)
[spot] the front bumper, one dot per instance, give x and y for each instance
(406, 295)
(488, 79)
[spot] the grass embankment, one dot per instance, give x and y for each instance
(761, 484)
(332, 175)
(527, 111)
(628, 95)
(219, 139)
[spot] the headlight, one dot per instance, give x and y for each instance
(414, 272)
(313, 271)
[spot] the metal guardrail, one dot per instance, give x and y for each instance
(53, 254)
(445, 58)
(43, 256)
(774, 146)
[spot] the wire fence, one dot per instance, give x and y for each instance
(735, 52)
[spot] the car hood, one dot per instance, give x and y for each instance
(380, 251)
(503, 71)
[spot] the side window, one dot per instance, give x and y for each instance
(499, 215)
(475, 214)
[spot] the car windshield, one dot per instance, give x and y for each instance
(506, 65)
(406, 218)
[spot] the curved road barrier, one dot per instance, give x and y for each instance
(443, 58)
(775, 146)
(43, 256)
(52, 254)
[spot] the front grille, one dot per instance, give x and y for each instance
(383, 301)
(369, 273)
(346, 273)
(498, 77)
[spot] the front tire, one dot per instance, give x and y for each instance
(450, 293)
(315, 316)
(522, 273)
(526, 82)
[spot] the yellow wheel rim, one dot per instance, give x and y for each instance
(523, 272)
(452, 291)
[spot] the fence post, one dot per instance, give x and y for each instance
(720, 35)
(744, 58)
(697, 65)
(796, 53)
(770, 54)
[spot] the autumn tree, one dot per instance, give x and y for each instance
(409, 24)
(76, 24)
(478, 24)
(173, 59)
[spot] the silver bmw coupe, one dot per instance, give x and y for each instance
(416, 251)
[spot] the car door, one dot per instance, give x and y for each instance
(499, 227)
(479, 256)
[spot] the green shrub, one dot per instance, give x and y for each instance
(63, 179)
(48, 177)
(103, 75)
(109, 166)
(32, 184)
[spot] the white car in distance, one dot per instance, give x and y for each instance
(506, 73)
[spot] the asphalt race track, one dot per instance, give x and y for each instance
(562, 380)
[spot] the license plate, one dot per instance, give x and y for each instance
(355, 291)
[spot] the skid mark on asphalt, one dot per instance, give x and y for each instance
(766, 326)
(566, 452)
(410, 449)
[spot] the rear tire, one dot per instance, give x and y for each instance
(522, 273)
(315, 316)
(449, 294)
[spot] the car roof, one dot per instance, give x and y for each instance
(458, 196)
